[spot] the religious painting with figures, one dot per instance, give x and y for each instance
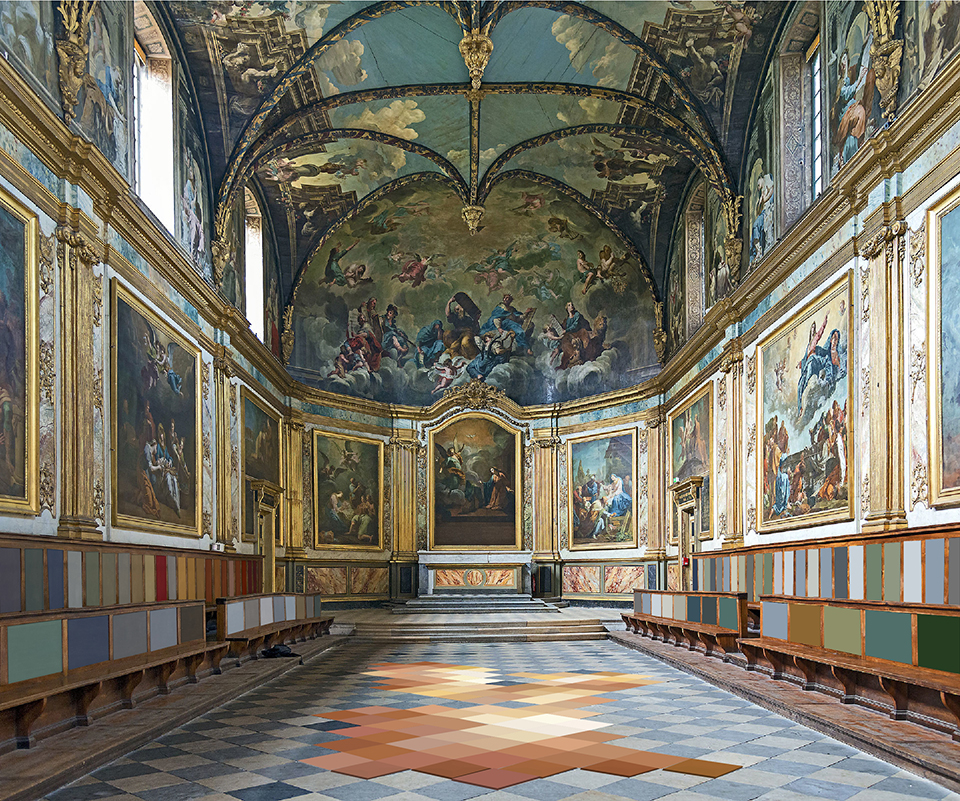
(156, 465)
(804, 430)
(261, 454)
(476, 484)
(601, 471)
(691, 430)
(348, 491)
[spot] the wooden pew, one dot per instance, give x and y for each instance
(257, 622)
(63, 669)
(899, 659)
(710, 622)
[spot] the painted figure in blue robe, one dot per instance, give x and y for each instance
(591, 490)
(492, 353)
(828, 364)
(619, 503)
(505, 317)
(430, 345)
(333, 272)
(781, 499)
(395, 342)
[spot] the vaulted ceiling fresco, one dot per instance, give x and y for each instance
(454, 131)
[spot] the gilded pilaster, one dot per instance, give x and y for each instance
(884, 504)
(222, 370)
(657, 509)
(546, 532)
(404, 448)
(732, 367)
(79, 377)
(293, 466)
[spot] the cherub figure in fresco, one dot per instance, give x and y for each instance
(415, 270)
(447, 370)
(357, 274)
(347, 361)
(743, 18)
(494, 268)
(388, 219)
(561, 227)
(529, 203)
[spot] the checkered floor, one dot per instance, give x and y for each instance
(269, 744)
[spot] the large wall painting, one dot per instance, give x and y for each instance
(760, 203)
(19, 387)
(804, 427)
(717, 275)
(348, 492)
(944, 339)
(475, 479)
(261, 455)
(691, 454)
(602, 470)
(933, 29)
(156, 422)
(192, 198)
(26, 30)
(400, 303)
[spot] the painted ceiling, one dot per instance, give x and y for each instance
(338, 112)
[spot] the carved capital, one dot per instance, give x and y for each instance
(81, 247)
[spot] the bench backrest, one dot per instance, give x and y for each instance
(922, 636)
(235, 616)
(723, 610)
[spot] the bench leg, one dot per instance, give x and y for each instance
(708, 642)
(726, 646)
(952, 703)
(192, 665)
(27, 715)
(128, 684)
(750, 652)
(848, 680)
(897, 691)
(779, 674)
(83, 698)
(164, 672)
(809, 671)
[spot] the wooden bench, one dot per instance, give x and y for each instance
(837, 647)
(63, 669)
(709, 622)
(256, 622)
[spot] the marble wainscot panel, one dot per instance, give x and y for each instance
(327, 580)
(623, 578)
(369, 581)
(581, 578)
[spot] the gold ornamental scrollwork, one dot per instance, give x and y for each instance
(659, 333)
(865, 495)
(72, 50)
(722, 395)
(48, 487)
(221, 254)
(752, 518)
(476, 395)
(751, 439)
(97, 301)
(918, 253)
(886, 52)
(207, 528)
(99, 510)
(919, 486)
(233, 402)
(48, 249)
(205, 379)
(476, 47)
(234, 460)
(206, 447)
(865, 293)
(722, 456)
(733, 245)
(472, 215)
(918, 371)
(81, 248)
(98, 390)
(287, 337)
(48, 373)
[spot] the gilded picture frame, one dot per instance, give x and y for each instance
(943, 223)
(341, 467)
(250, 471)
(694, 408)
(164, 337)
(440, 437)
(27, 259)
(777, 356)
(588, 498)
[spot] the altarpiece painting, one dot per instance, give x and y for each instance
(601, 474)
(348, 491)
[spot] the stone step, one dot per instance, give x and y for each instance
(519, 635)
(452, 604)
(485, 624)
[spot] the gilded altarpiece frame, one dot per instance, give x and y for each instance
(690, 453)
(805, 373)
(468, 426)
(943, 349)
(19, 375)
(598, 494)
(257, 462)
(166, 375)
(347, 476)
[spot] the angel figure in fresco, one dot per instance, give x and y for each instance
(742, 18)
(529, 203)
(388, 219)
(415, 270)
(333, 273)
(494, 268)
(447, 371)
(159, 362)
(855, 88)
(357, 274)
(615, 164)
(561, 227)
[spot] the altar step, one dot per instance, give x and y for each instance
(473, 604)
(482, 631)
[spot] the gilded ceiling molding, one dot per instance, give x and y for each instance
(886, 52)
(472, 215)
(476, 46)
(72, 50)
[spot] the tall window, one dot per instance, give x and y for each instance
(816, 88)
(153, 107)
(253, 254)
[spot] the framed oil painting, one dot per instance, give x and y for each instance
(156, 422)
(943, 243)
(691, 454)
(260, 455)
(19, 376)
(602, 501)
(804, 429)
(475, 485)
(347, 492)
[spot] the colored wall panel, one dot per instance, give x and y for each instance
(88, 641)
(773, 617)
(726, 574)
(841, 630)
(750, 564)
(938, 642)
(137, 585)
(266, 611)
(34, 649)
(800, 565)
(912, 572)
(856, 573)
(840, 573)
(74, 579)
(129, 634)
(768, 574)
(708, 611)
(778, 574)
(193, 623)
(889, 635)
(160, 578)
(891, 572)
(123, 581)
(935, 566)
(813, 573)
(108, 562)
(667, 605)
(149, 579)
(826, 573)
(729, 618)
(693, 608)
(172, 584)
(680, 609)
(279, 610)
(235, 617)
(163, 628)
(251, 613)
(55, 579)
(874, 552)
(10, 580)
(33, 579)
(953, 574)
(805, 624)
(91, 568)
(788, 563)
(652, 576)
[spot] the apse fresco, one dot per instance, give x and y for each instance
(691, 432)
(804, 432)
(261, 454)
(935, 28)
(401, 303)
(192, 198)
(950, 350)
(760, 201)
(13, 356)
(675, 312)
(475, 485)
(348, 477)
(272, 307)
(156, 408)
(602, 500)
(232, 284)
(853, 102)
(717, 273)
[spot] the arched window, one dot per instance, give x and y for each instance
(153, 111)
(253, 275)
